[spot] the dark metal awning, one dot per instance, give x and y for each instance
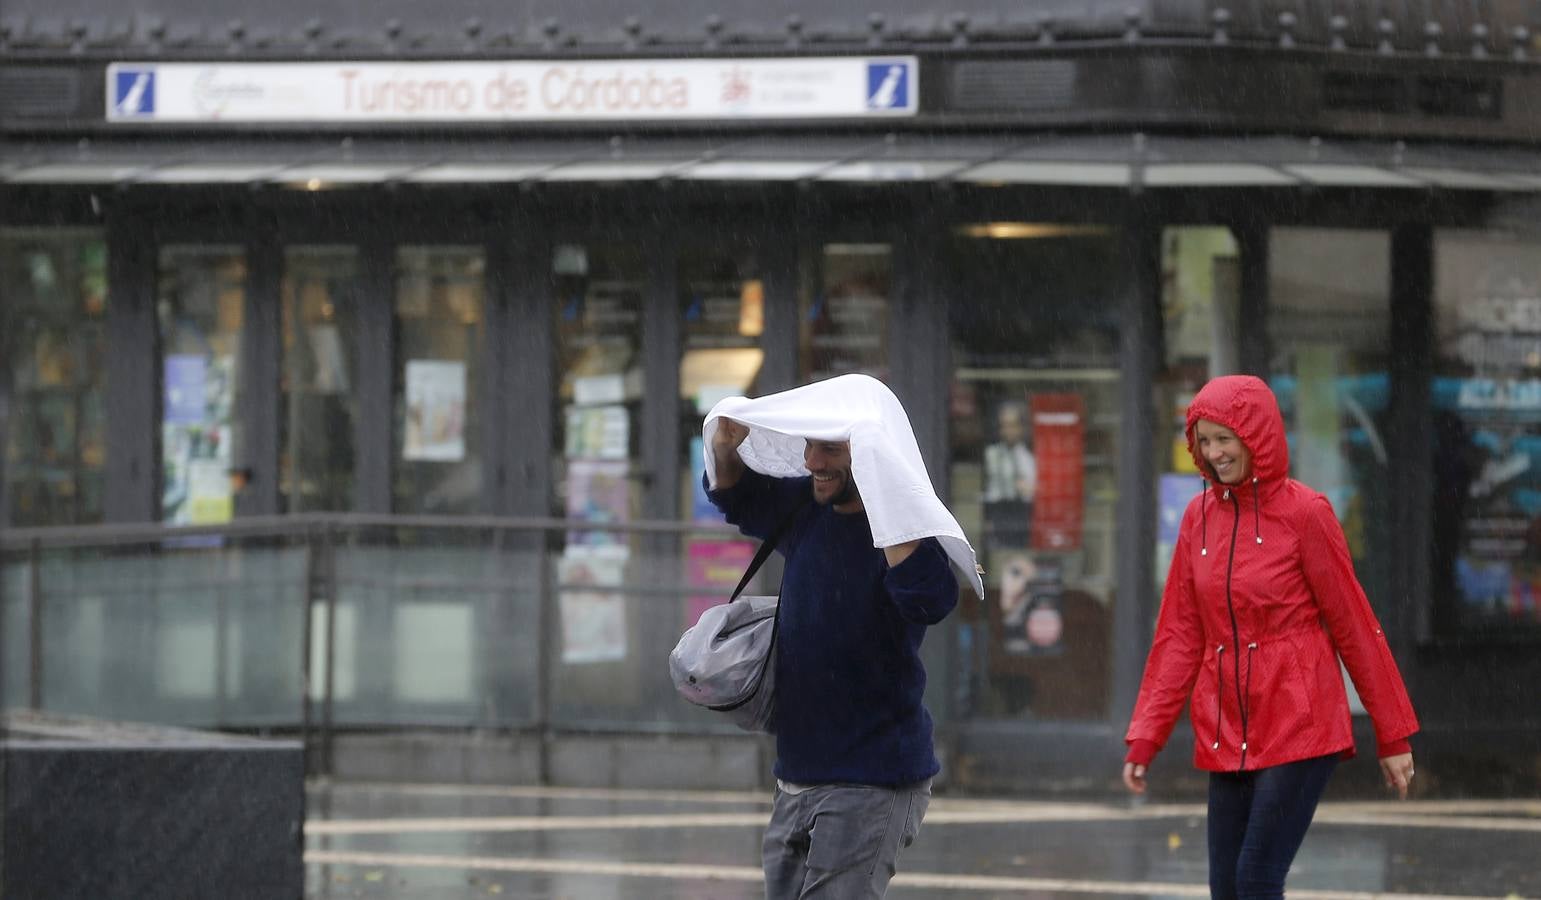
(1108, 161)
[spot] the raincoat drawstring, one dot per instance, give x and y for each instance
(1246, 701)
(1204, 518)
(1257, 515)
(1219, 689)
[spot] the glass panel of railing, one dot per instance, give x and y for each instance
(14, 630)
(203, 632)
(432, 626)
(620, 607)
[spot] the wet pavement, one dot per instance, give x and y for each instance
(453, 841)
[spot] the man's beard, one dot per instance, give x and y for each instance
(847, 491)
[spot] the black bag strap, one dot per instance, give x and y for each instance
(766, 549)
(769, 546)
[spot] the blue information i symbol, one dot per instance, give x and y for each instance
(133, 92)
(888, 85)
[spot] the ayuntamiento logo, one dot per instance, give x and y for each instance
(133, 93)
(888, 85)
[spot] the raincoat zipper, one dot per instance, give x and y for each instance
(1230, 606)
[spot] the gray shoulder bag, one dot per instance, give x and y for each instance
(726, 662)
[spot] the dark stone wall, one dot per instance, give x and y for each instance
(186, 818)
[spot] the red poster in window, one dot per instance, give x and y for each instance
(1059, 432)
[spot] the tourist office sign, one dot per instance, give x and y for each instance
(568, 91)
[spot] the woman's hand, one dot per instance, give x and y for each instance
(1134, 777)
(1398, 772)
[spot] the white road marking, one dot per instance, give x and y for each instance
(1391, 809)
(747, 874)
(532, 823)
(760, 798)
(1388, 816)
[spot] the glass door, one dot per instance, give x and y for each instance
(318, 378)
(1034, 436)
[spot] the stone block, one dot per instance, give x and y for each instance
(102, 809)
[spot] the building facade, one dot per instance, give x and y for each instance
(450, 263)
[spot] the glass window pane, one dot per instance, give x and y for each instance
(599, 360)
(201, 305)
(844, 322)
(320, 356)
(722, 304)
(53, 342)
(1200, 294)
(1329, 294)
(440, 294)
(1487, 455)
(1034, 437)
(601, 671)
(1200, 303)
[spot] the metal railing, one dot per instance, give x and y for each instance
(318, 623)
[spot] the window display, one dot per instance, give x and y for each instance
(318, 377)
(722, 309)
(599, 375)
(201, 307)
(1330, 324)
(844, 322)
(53, 341)
(440, 292)
(1034, 437)
(1200, 302)
(1487, 449)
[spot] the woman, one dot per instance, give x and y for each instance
(1260, 603)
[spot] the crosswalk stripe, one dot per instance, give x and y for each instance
(1326, 815)
(929, 880)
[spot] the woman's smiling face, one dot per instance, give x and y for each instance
(1219, 446)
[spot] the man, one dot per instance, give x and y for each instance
(854, 753)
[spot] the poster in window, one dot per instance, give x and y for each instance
(1174, 493)
(1010, 477)
(1059, 426)
(1487, 453)
(593, 610)
(1032, 623)
(598, 492)
(713, 569)
(597, 432)
(184, 386)
(195, 439)
(436, 403)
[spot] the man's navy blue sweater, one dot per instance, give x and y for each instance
(848, 674)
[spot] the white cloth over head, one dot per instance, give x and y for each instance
(895, 489)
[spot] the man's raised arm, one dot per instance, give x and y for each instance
(730, 466)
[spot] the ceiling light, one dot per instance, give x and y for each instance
(1029, 230)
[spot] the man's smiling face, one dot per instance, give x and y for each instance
(830, 463)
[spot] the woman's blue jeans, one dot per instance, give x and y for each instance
(1257, 821)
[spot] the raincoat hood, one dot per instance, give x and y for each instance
(896, 491)
(1246, 405)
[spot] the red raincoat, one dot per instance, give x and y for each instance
(1260, 603)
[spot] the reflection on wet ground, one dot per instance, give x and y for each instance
(398, 841)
